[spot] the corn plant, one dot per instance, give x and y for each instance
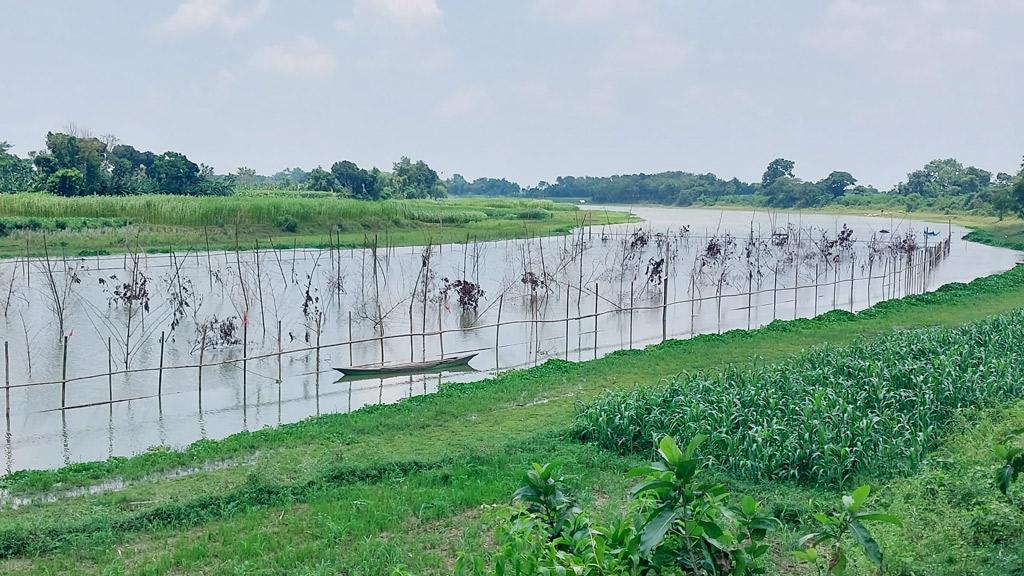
(838, 528)
(829, 414)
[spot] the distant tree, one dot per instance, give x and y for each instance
(246, 176)
(357, 182)
(123, 177)
(174, 173)
(215, 185)
(789, 192)
(947, 177)
(1018, 196)
(458, 186)
(15, 173)
(133, 156)
(778, 168)
(320, 180)
(66, 182)
(84, 154)
(417, 179)
(290, 178)
(837, 183)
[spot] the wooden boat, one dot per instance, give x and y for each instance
(408, 367)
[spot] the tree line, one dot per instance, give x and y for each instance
(76, 163)
(945, 185)
(80, 164)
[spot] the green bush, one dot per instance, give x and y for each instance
(287, 224)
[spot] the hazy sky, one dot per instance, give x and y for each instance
(527, 89)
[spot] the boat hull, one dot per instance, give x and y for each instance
(408, 367)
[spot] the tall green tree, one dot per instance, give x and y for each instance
(15, 173)
(1018, 195)
(837, 183)
(69, 152)
(778, 168)
(66, 182)
(417, 179)
(174, 173)
(357, 182)
(320, 180)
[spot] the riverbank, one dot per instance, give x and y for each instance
(112, 225)
(411, 484)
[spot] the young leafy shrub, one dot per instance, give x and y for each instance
(1012, 454)
(677, 524)
(687, 522)
(533, 214)
(287, 224)
(840, 527)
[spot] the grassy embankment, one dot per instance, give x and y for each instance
(103, 224)
(404, 484)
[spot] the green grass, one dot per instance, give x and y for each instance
(414, 483)
(162, 223)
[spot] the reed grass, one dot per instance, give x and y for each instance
(160, 223)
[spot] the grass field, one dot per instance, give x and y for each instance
(163, 223)
(415, 483)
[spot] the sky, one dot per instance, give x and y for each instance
(527, 89)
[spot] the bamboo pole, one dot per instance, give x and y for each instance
(318, 330)
(160, 371)
(7, 381)
(202, 351)
(245, 357)
(631, 315)
(568, 298)
(775, 291)
(209, 260)
(796, 278)
(440, 329)
(835, 285)
(816, 277)
(110, 371)
(852, 282)
(664, 311)
(871, 264)
(279, 351)
(64, 375)
(597, 300)
(497, 333)
(750, 296)
(351, 360)
(259, 287)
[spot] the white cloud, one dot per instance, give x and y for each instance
(412, 11)
(920, 40)
(406, 12)
(645, 49)
(300, 57)
(539, 96)
(467, 104)
(197, 15)
(578, 11)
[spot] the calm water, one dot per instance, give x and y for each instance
(327, 294)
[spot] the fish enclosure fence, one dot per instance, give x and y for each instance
(629, 296)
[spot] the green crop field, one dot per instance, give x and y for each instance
(160, 223)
